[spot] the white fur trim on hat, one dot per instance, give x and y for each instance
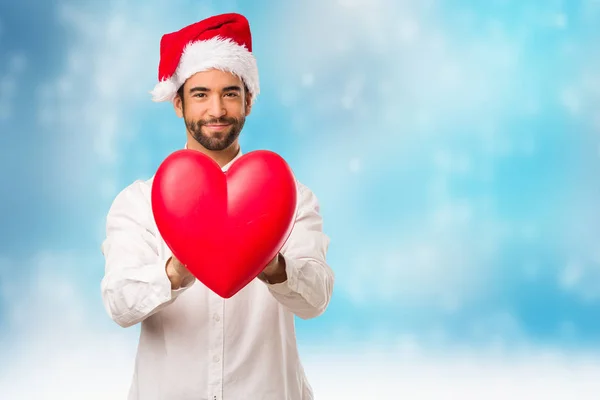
(216, 53)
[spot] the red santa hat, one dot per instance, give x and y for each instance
(221, 42)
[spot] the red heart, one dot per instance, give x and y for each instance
(224, 226)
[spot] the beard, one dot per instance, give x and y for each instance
(218, 140)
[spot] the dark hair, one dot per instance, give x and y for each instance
(180, 93)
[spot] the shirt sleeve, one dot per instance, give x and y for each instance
(135, 283)
(309, 285)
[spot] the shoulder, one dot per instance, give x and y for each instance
(131, 213)
(303, 190)
(307, 199)
(134, 197)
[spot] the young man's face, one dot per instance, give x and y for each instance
(214, 107)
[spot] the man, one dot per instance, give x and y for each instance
(193, 343)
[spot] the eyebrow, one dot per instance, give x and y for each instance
(225, 89)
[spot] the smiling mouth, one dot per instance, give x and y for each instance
(217, 126)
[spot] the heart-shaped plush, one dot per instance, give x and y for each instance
(224, 226)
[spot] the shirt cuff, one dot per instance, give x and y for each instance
(291, 283)
(166, 282)
(184, 287)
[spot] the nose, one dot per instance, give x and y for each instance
(216, 108)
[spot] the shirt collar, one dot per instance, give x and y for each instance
(226, 166)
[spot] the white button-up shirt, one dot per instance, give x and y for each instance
(195, 344)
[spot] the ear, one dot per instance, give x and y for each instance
(178, 106)
(248, 103)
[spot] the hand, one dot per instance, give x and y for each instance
(178, 274)
(274, 272)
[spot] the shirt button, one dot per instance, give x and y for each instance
(217, 318)
(216, 358)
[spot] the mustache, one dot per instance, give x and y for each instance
(218, 121)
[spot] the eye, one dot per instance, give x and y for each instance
(231, 94)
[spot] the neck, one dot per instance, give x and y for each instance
(221, 157)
